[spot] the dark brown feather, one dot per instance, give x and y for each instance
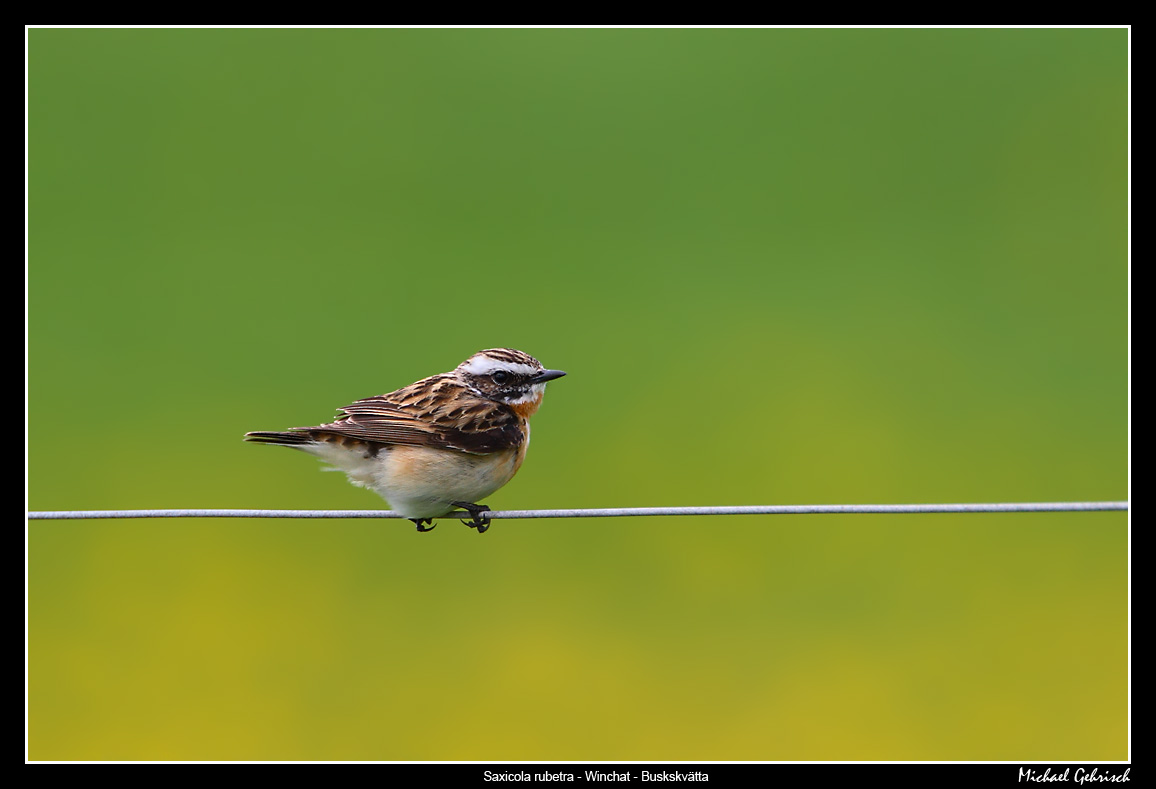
(438, 412)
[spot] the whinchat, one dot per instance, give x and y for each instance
(445, 441)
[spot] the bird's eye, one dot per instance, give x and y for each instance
(500, 377)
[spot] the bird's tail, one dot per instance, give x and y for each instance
(286, 439)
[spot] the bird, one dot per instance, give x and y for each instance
(445, 441)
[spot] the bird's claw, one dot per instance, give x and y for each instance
(422, 523)
(478, 521)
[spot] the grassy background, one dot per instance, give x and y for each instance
(781, 266)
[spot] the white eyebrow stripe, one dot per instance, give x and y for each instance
(484, 365)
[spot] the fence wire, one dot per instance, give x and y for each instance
(610, 512)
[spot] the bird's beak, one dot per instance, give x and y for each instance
(546, 375)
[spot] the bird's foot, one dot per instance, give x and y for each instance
(478, 521)
(423, 523)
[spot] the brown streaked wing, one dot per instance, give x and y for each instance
(433, 412)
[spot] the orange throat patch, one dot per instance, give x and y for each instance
(528, 408)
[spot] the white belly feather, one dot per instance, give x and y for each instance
(420, 482)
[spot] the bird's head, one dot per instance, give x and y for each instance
(507, 376)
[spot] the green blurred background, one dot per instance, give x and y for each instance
(781, 267)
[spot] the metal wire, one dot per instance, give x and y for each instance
(613, 512)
